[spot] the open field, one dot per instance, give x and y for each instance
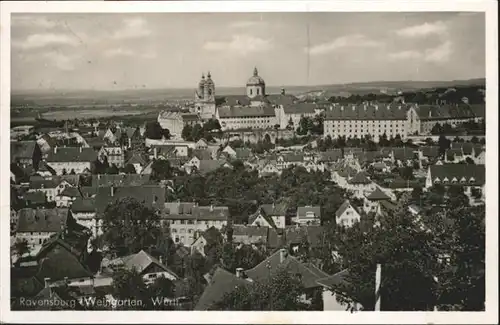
(81, 114)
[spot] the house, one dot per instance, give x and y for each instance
(201, 144)
(60, 261)
(37, 225)
(124, 180)
(404, 156)
(221, 283)
(44, 169)
(308, 215)
(52, 186)
(480, 158)
(288, 160)
(35, 199)
(196, 165)
(137, 160)
(84, 212)
(207, 238)
(294, 237)
(113, 155)
(359, 185)
(331, 292)
(467, 176)
(25, 153)
(269, 167)
(162, 152)
(269, 215)
(238, 153)
(112, 135)
(147, 266)
(250, 235)
(373, 199)
(133, 136)
(187, 218)
(281, 259)
(347, 215)
(66, 197)
(331, 156)
(71, 160)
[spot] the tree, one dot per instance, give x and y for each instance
(128, 285)
(128, 227)
(196, 132)
(129, 169)
(154, 131)
(187, 133)
(160, 289)
(280, 292)
(444, 144)
(20, 248)
(161, 170)
(112, 170)
(407, 260)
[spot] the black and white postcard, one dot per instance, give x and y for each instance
(337, 159)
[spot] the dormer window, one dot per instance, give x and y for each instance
(454, 180)
(463, 180)
(437, 180)
(472, 180)
(446, 179)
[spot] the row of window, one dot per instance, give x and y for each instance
(196, 222)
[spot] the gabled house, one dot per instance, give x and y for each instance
(201, 144)
(114, 155)
(25, 153)
(269, 215)
(71, 160)
(308, 215)
(347, 214)
(467, 176)
(359, 185)
(84, 212)
(187, 218)
(250, 235)
(137, 160)
(268, 168)
(372, 200)
(37, 225)
(205, 239)
(404, 156)
(147, 266)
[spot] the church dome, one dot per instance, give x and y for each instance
(255, 80)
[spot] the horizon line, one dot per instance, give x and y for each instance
(270, 86)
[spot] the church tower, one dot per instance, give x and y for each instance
(204, 98)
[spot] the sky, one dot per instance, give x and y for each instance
(170, 50)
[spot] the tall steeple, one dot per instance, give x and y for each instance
(255, 72)
(209, 75)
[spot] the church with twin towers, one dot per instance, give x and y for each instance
(204, 97)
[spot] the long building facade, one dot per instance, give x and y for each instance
(375, 120)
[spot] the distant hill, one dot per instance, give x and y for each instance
(156, 96)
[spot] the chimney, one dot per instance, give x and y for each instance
(55, 149)
(283, 91)
(342, 108)
(239, 272)
(112, 190)
(430, 113)
(81, 148)
(66, 280)
(155, 152)
(161, 260)
(46, 282)
(376, 107)
(211, 208)
(282, 255)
